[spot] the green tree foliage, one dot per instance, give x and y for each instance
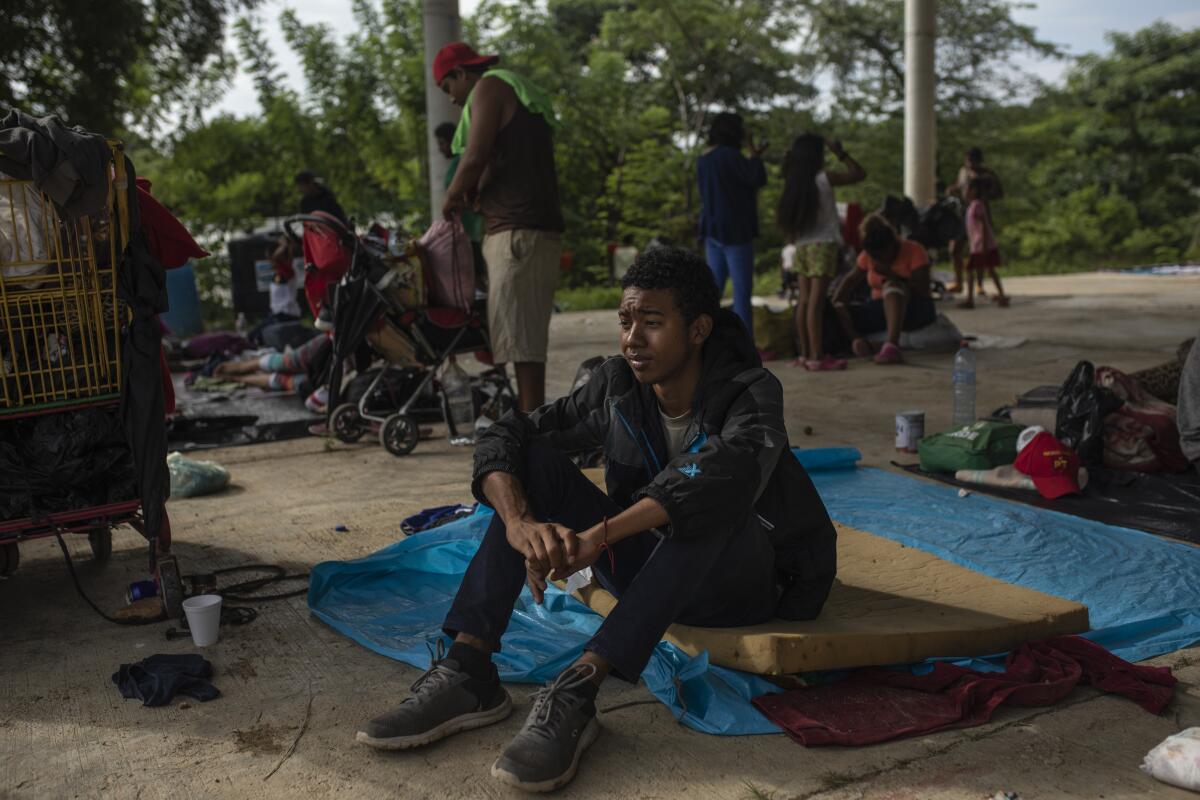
(1101, 171)
(861, 42)
(114, 64)
(1121, 165)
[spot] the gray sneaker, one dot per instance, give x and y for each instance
(445, 701)
(561, 725)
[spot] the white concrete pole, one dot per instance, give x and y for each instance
(442, 26)
(920, 88)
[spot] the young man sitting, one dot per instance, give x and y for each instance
(709, 520)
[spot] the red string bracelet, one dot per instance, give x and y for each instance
(612, 561)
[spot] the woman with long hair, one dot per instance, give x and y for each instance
(807, 216)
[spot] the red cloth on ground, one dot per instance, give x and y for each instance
(876, 704)
(166, 238)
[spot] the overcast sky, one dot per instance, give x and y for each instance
(1078, 25)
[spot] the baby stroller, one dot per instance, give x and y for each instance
(378, 310)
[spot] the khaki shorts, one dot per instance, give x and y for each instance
(817, 259)
(522, 267)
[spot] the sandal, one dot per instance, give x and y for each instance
(964, 304)
(889, 354)
(826, 364)
(1001, 300)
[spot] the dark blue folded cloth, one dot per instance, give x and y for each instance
(157, 679)
(434, 518)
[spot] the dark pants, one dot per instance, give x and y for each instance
(724, 579)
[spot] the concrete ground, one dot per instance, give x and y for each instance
(293, 691)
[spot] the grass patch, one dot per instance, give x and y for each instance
(755, 793)
(831, 780)
(587, 298)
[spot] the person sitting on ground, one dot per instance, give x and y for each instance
(897, 271)
(316, 196)
(708, 520)
(985, 256)
(807, 216)
(286, 282)
(290, 371)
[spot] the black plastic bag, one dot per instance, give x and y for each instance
(64, 462)
(1082, 408)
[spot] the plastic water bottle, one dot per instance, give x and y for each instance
(964, 385)
(460, 404)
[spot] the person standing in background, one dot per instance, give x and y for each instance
(472, 222)
(316, 196)
(729, 184)
(623, 256)
(972, 167)
(985, 255)
(807, 216)
(506, 172)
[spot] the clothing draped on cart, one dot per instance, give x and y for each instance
(69, 164)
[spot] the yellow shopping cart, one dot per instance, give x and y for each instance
(61, 321)
(59, 311)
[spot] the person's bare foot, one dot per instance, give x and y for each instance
(954, 288)
(966, 304)
(229, 368)
(862, 348)
(1001, 300)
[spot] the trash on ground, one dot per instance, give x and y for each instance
(1176, 760)
(194, 478)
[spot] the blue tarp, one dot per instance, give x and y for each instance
(1140, 590)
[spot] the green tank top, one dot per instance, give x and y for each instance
(532, 96)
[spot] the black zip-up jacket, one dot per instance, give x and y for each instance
(737, 470)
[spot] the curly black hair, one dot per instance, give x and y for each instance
(681, 271)
(445, 131)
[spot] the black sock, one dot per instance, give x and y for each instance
(473, 661)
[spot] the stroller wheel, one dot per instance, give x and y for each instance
(399, 434)
(346, 423)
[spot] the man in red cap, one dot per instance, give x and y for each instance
(506, 172)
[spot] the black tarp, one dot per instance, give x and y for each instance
(1162, 504)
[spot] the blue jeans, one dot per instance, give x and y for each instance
(722, 580)
(734, 261)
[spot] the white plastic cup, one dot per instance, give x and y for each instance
(203, 614)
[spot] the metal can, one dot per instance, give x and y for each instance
(140, 590)
(910, 428)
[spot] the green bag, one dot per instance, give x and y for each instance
(980, 445)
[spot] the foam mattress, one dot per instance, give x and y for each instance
(891, 604)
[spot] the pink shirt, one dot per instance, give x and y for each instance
(979, 228)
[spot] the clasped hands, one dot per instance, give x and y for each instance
(552, 551)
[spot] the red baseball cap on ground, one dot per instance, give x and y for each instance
(455, 55)
(1053, 466)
